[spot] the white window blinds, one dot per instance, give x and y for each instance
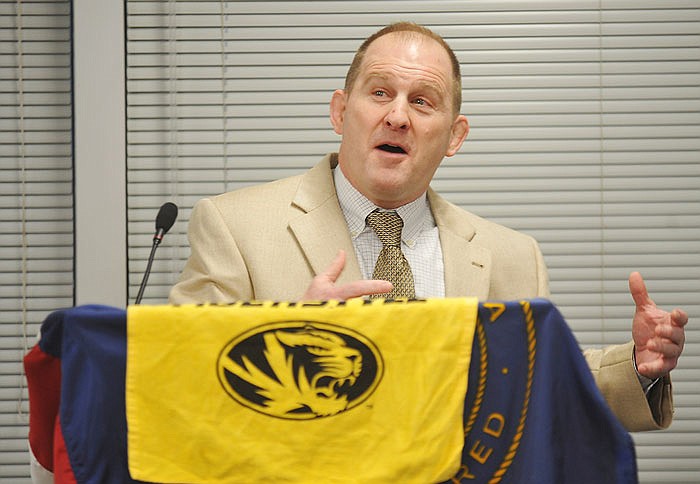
(585, 123)
(36, 214)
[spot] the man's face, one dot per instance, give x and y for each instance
(397, 123)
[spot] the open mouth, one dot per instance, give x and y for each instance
(391, 148)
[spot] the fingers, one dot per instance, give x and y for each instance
(661, 351)
(657, 368)
(362, 288)
(351, 289)
(323, 290)
(336, 266)
(672, 333)
(659, 336)
(664, 347)
(638, 290)
(323, 286)
(679, 317)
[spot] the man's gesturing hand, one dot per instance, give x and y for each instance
(658, 335)
(323, 286)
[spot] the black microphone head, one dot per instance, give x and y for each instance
(166, 217)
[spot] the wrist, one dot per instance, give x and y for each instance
(646, 382)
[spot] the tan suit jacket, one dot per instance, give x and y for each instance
(268, 242)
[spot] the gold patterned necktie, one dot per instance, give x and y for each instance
(391, 265)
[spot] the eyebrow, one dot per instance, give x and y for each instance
(422, 84)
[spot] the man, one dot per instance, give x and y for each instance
(306, 237)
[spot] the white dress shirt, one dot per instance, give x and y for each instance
(420, 241)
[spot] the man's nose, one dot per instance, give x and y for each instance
(397, 117)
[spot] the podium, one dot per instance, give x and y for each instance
(531, 410)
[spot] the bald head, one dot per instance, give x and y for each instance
(407, 31)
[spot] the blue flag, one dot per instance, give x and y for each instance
(533, 413)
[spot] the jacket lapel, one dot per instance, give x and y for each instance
(320, 228)
(467, 265)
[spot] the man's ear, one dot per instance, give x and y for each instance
(338, 110)
(460, 130)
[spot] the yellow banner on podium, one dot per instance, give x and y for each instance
(352, 392)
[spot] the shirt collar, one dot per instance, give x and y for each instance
(416, 215)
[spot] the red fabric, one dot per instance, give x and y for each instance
(63, 473)
(44, 384)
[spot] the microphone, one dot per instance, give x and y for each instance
(164, 221)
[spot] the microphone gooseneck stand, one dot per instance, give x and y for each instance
(165, 219)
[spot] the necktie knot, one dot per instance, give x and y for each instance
(387, 226)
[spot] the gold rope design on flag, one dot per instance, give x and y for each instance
(531, 347)
(480, 391)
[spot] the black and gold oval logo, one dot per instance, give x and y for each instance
(300, 369)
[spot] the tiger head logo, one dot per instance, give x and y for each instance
(300, 370)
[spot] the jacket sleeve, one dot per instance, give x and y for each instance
(613, 370)
(615, 376)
